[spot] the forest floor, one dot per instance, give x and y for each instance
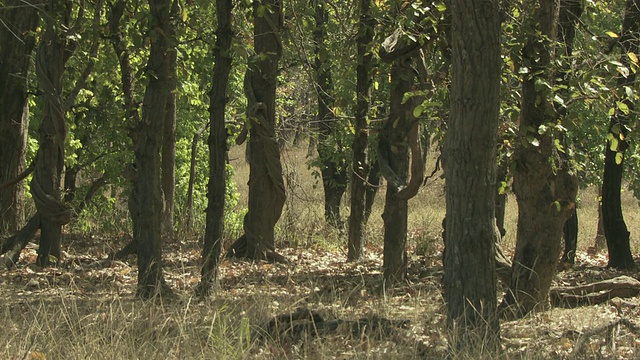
(86, 308)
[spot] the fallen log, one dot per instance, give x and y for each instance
(594, 293)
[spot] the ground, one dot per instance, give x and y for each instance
(86, 308)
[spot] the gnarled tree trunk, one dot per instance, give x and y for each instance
(544, 186)
(266, 185)
(45, 185)
(16, 44)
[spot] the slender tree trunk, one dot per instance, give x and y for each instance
(359, 165)
(600, 242)
(192, 172)
(544, 186)
(169, 158)
(45, 186)
(393, 149)
(16, 45)
(217, 148)
(146, 196)
(501, 198)
(470, 282)
(570, 12)
(615, 228)
(266, 185)
(330, 149)
(372, 186)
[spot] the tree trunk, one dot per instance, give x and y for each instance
(330, 149)
(615, 228)
(146, 196)
(16, 44)
(570, 12)
(359, 165)
(266, 185)
(45, 185)
(169, 158)
(501, 198)
(599, 242)
(192, 172)
(470, 282)
(393, 149)
(544, 187)
(372, 186)
(216, 189)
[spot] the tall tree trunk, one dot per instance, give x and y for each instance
(169, 156)
(329, 146)
(359, 165)
(146, 196)
(16, 44)
(394, 152)
(615, 228)
(217, 148)
(372, 186)
(470, 282)
(266, 185)
(45, 185)
(544, 186)
(570, 12)
(192, 168)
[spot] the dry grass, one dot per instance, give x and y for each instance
(85, 309)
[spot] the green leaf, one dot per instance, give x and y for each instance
(533, 140)
(619, 158)
(623, 107)
(417, 111)
(612, 34)
(613, 144)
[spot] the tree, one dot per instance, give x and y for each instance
(329, 145)
(615, 229)
(570, 12)
(146, 196)
(45, 185)
(470, 173)
(544, 185)
(217, 147)
(359, 147)
(16, 45)
(266, 185)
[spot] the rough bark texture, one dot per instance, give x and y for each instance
(360, 172)
(470, 147)
(544, 187)
(333, 165)
(217, 148)
(570, 12)
(266, 185)
(169, 156)
(393, 149)
(615, 228)
(45, 185)
(146, 196)
(16, 46)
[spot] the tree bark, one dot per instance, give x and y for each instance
(615, 228)
(45, 185)
(169, 144)
(16, 45)
(570, 12)
(359, 147)
(393, 150)
(216, 189)
(329, 146)
(146, 196)
(544, 186)
(470, 282)
(266, 185)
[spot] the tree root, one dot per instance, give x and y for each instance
(594, 293)
(240, 249)
(12, 246)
